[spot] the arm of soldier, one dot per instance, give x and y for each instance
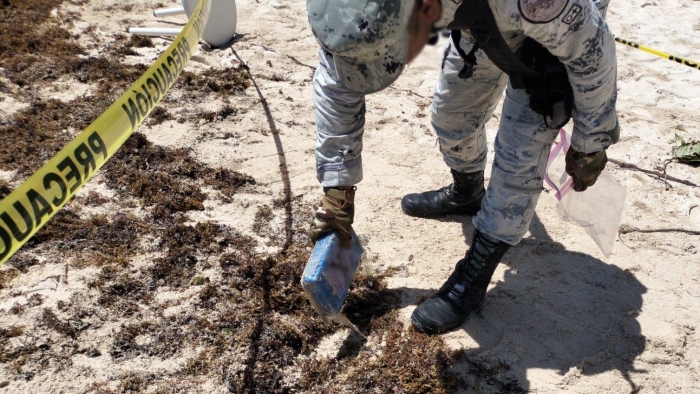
(581, 39)
(340, 121)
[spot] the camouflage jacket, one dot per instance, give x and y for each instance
(576, 32)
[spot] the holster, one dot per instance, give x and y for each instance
(551, 94)
(532, 67)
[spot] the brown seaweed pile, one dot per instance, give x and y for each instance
(168, 179)
(246, 324)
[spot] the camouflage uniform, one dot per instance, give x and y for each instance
(574, 31)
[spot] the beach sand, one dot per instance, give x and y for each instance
(559, 316)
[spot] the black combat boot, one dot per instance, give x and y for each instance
(463, 197)
(464, 290)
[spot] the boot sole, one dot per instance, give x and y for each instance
(458, 212)
(438, 329)
(428, 330)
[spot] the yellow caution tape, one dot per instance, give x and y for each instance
(656, 52)
(34, 202)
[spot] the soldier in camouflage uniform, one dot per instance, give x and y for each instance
(365, 45)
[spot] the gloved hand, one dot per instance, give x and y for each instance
(584, 168)
(335, 212)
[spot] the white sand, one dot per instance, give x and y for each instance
(558, 316)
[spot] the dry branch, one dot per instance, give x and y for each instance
(658, 230)
(659, 175)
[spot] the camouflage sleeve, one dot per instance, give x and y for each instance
(340, 122)
(576, 32)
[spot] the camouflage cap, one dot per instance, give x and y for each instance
(368, 39)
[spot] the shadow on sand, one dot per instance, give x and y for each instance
(555, 310)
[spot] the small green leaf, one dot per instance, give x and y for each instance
(198, 280)
(688, 152)
(226, 332)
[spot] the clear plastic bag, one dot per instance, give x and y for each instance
(598, 209)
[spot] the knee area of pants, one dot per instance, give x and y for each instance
(454, 126)
(528, 181)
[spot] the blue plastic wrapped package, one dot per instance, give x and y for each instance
(329, 274)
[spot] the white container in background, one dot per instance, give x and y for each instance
(221, 26)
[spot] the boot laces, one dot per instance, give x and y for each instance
(471, 268)
(447, 191)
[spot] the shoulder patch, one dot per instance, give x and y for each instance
(541, 11)
(572, 14)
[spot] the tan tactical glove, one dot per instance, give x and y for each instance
(584, 168)
(335, 212)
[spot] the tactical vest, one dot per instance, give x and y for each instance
(532, 67)
(477, 17)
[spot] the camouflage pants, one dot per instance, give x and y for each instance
(460, 109)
